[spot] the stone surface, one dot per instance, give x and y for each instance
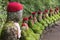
(9, 31)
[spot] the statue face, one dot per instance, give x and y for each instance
(40, 17)
(34, 19)
(15, 15)
(25, 26)
(19, 14)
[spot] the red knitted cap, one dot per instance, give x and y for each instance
(46, 10)
(33, 13)
(56, 9)
(30, 17)
(25, 25)
(14, 7)
(25, 19)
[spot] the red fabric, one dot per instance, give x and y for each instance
(56, 9)
(33, 13)
(25, 19)
(25, 25)
(46, 10)
(30, 17)
(14, 6)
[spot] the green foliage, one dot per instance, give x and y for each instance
(34, 5)
(29, 6)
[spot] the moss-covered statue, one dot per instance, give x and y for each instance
(34, 24)
(11, 29)
(57, 13)
(27, 33)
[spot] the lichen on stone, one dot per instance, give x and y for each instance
(9, 31)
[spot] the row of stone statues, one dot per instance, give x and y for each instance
(31, 28)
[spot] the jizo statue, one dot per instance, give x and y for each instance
(11, 29)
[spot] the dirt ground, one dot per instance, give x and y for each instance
(54, 34)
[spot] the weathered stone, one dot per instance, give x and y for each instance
(9, 32)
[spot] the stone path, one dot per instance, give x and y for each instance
(54, 34)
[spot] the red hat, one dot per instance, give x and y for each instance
(30, 17)
(39, 12)
(46, 10)
(14, 7)
(25, 19)
(56, 9)
(33, 13)
(51, 10)
(25, 25)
